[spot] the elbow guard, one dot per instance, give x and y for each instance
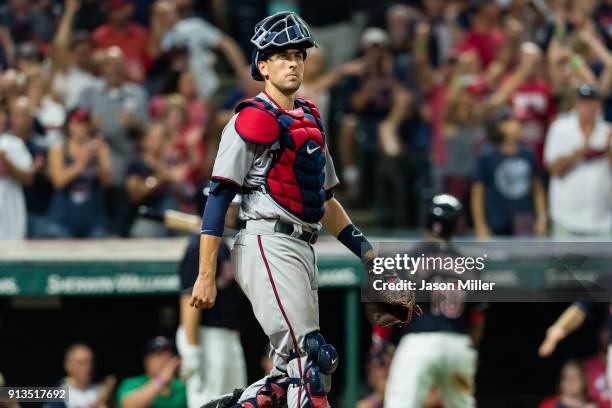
(219, 198)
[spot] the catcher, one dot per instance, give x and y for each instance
(274, 152)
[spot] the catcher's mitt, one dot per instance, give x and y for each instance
(386, 308)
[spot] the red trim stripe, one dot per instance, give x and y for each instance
(282, 309)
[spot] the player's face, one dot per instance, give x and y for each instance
(284, 70)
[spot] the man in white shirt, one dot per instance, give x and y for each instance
(174, 24)
(15, 172)
(578, 155)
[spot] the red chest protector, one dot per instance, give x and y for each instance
(296, 177)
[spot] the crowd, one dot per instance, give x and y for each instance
(105, 106)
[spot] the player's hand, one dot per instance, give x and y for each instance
(204, 293)
(553, 336)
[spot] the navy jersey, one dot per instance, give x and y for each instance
(230, 305)
(443, 311)
(603, 282)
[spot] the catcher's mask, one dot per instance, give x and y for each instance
(442, 216)
(279, 31)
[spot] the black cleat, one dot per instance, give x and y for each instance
(225, 401)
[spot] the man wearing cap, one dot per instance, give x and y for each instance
(578, 156)
(274, 151)
(158, 387)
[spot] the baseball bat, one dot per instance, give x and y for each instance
(173, 220)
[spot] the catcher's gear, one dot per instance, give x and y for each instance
(277, 31)
(225, 401)
(442, 216)
(387, 308)
(296, 177)
(322, 361)
(272, 394)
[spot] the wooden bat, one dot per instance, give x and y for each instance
(173, 220)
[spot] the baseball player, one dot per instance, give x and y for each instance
(436, 349)
(274, 151)
(572, 318)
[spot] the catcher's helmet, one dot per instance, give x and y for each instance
(277, 31)
(442, 216)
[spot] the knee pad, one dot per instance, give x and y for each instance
(322, 361)
(320, 353)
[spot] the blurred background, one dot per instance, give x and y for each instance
(109, 105)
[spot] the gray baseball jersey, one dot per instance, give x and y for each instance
(247, 164)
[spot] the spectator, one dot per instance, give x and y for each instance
(80, 168)
(150, 181)
(508, 195)
(159, 386)
(172, 26)
(49, 112)
(403, 172)
(595, 371)
(26, 22)
(38, 192)
(530, 96)
(578, 156)
(82, 391)
(15, 172)
(119, 108)
(377, 374)
(71, 58)
(485, 35)
(573, 391)
(187, 147)
(459, 127)
(369, 101)
(132, 38)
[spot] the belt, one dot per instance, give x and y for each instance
(290, 229)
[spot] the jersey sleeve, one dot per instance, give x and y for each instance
(234, 158)
(331, 179)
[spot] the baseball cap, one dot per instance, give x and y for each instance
(79, 114)
(159, 343)
(115, 4)
(588, 91)
(374, 36)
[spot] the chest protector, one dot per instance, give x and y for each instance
(295, 178)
